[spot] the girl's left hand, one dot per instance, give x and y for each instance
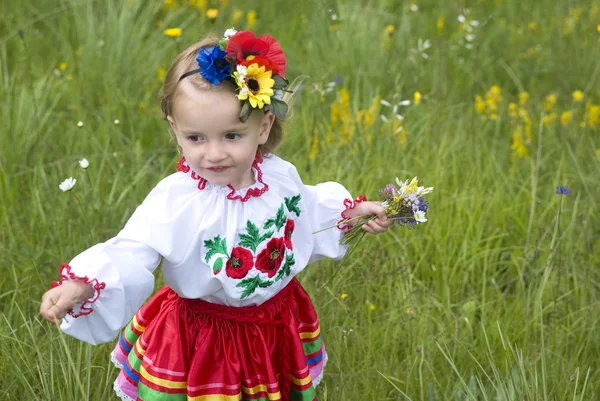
(378, 225)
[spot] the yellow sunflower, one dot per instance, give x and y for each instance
(255, 84)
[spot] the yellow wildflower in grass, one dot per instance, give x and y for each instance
(417, 97)
(566, 117)
(550, 101)
(493, 98)
(237, 16)
(576, 13)
(389, 30)
(518, 146)
(212, 14)
(371, 307)
(173, 32)
(62, 67)
(335, 115)
(532, 25)
(201, 5)
(162, 74)
(523, 98)
(314, 150)
(409, 311)
(549, 119)
(479, 105)
(598, 28)
(69, 77)
(512, 110)
(578, 96)
(387, 42)
(251, 19)
(592, 115)
(344, 296)
(440, 24)
(168, 4)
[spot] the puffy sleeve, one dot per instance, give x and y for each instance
(121, 272)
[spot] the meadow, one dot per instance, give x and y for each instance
(495, 103)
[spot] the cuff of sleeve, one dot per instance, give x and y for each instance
(349, 204)
(85, 308)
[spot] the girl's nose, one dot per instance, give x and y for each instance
(215, 152)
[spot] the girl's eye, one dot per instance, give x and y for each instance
(193, 138)
(232, 136)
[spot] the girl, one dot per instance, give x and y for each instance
(232, 228)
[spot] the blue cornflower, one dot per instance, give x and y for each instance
(563, 190)
(213, 64)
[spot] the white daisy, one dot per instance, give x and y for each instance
(67, 184)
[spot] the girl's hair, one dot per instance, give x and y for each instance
(185, 62)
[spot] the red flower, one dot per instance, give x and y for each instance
(287, 234)
(262, 62)
(269, 259)
(240, 263)
(244, 44)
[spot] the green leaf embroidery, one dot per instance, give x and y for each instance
(253, 239)
(218, 266)
(285, 269)
(280, 218)
(250, 284)
(269, 223)
(265, 236)
(292, 204)
(215, 245)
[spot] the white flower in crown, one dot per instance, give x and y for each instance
(229, 33)
(243, 71)
(83, 163)
(67, 184)
(420, 216)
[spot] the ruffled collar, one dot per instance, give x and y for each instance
(242, 194)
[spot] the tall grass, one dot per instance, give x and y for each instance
(495, 298)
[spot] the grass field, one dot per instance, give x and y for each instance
(496, 297)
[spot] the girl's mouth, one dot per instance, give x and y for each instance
(217, 169)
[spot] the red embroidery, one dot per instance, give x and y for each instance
(349, 204)
(251, 192)
(84, 309)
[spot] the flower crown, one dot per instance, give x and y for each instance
(254, 65)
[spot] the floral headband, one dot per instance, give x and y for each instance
(254, 65)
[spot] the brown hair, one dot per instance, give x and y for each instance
(185, 62)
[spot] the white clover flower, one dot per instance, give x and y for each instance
(80, 124)
(474, 23)
(83, 163)
(414, 8)
(400, 117)
(67, 184)
(229, 33)
(334, 17)
(385, 103)
(384, 118)
(462, 19)
(420, 216)
(404, 103)
(470, 37)
(117, 122)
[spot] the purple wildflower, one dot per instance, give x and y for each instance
(563, 190)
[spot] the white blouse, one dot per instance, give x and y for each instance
(226, 246)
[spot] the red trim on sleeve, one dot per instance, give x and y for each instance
(85, 308)
(349, 204)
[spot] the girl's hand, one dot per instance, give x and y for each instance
(57, 301)
(378, 225)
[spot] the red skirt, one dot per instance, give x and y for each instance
(188, 349)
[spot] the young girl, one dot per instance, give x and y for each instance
(232, 228)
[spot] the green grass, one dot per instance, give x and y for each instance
(495, 298)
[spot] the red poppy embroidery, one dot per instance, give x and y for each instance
(240, 263)
(287, 234)
(349, 204)
(85, 308)
(269, 259)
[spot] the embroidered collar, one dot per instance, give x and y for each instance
(255, 190)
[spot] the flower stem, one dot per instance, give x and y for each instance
(81, 208)
(343, 222)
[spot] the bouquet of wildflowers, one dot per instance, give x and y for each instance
(404, 205)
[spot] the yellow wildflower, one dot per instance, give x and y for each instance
(251, 19)
(512, 110)
(440, 24)
(550, 101)
(368, 117)
(549, 119)
(201, 5)
(237, 16)
(173, 32)
(372, 307)
(62, 66)
(409, 311)
(479, 105)
(335, 115)
(389, 30)
(566, 117)
(212, 14)
(417, 97)
(314, 151)
(518, 146)
(593, 115)
(344, 296)
(523, 98)
(598, 28)
(532, 25)
(161, 73)
(578, 96)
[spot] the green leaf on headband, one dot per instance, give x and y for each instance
(245, 112)
(280, 83)
(278, 107)
(223, 44)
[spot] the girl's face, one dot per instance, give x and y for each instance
(214, 142)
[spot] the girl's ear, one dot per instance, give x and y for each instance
(265, 127)
(173, 128)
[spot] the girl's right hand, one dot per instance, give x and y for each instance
(57, 301)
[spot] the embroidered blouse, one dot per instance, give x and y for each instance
(226, 246)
